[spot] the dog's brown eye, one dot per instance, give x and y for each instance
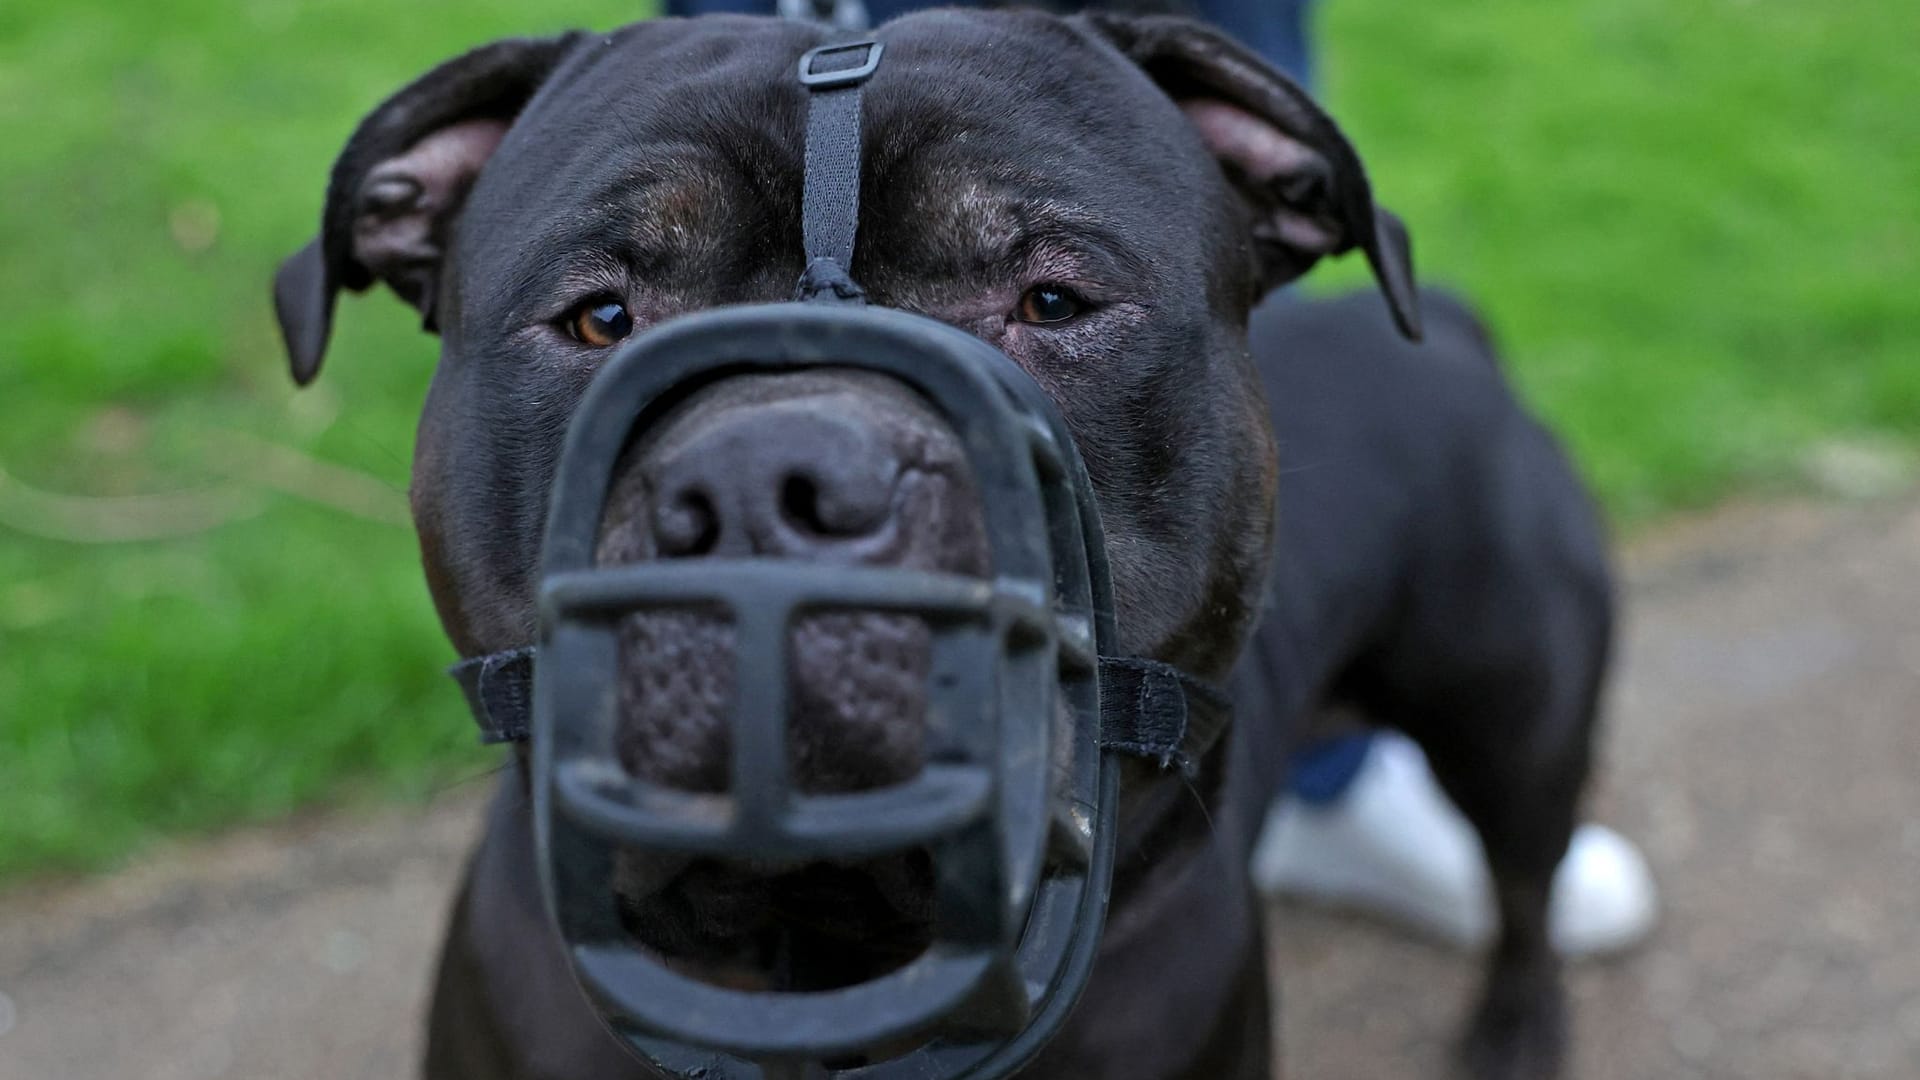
(600, 324)
(1049, 304)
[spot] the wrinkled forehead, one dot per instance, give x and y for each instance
(973, 120)
(1022, 104)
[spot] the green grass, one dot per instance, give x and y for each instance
(1696, 226)
(236, 673)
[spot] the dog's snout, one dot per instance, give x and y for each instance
(828, 466)
(794, 478)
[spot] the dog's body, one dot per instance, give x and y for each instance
(1438, 569)
(1103, 200)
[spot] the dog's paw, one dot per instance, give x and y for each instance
(1518, 1033)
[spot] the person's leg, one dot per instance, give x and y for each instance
(882, 10)
(1323, 771)
(690, 8)
(1276, 29)
(1373, 831)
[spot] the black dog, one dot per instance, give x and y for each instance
(1104, 199)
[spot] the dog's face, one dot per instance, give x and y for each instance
(1103, 200)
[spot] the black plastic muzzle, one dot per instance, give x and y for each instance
(1015, 810)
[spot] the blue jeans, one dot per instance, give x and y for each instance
(1276, 29)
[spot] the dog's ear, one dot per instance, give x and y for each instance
(1307, 189)
(398, 185)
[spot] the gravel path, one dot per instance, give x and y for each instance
(1762, 748)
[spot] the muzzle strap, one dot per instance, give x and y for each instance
(1148, 709)
(1156, 711)
(830, 196)
(499, 689)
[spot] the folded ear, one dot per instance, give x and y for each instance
(399, 184)
(1304, 184)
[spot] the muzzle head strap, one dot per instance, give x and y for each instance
(830, 197)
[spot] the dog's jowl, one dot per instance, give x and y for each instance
(1105, 200)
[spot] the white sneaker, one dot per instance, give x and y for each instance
(1394, 846)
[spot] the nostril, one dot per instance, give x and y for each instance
(831, 511)
(800, 504)
(686, 525)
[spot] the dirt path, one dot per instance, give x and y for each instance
(1763, 748)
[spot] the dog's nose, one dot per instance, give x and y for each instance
(830, 466)
(790, 478)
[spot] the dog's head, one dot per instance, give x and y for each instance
(1102, 198)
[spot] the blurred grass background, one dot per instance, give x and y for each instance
(1695, 225)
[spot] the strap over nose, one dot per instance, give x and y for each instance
(830, 197)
